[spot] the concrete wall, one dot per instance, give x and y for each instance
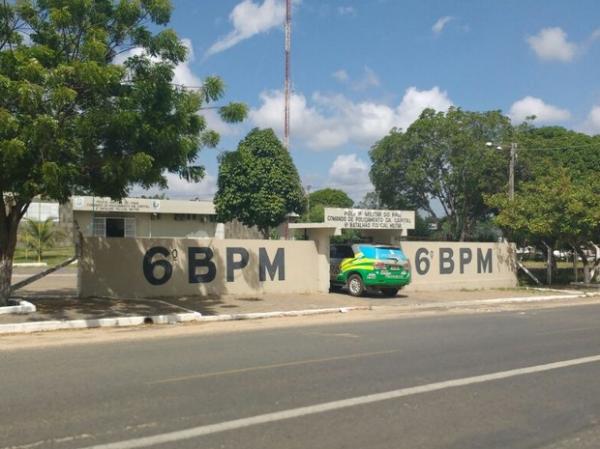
(458, 265)
(147, 268)
(139, 268)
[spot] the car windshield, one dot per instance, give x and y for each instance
(382, 252)
(390, 253)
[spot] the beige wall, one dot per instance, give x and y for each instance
(115, 267)
(169, 227)
(457, 265)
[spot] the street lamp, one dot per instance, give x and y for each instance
(511, 167)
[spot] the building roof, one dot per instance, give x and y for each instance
(142, 205)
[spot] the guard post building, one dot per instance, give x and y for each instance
(152, 218)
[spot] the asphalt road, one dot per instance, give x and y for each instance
(265, 388)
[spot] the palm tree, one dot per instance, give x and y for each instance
(40, 236)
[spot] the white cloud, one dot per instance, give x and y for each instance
(440, 24)
(551, 44)
(330, 121)
(341, 75)
(182, 73)
(592, 122)
(414, 101)
(369, 79)
(346, 11)
(350, 174)
(179, 188)
(249, 19)
(545, 113)
(216, 123)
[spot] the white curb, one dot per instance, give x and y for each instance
(30, 264)
(509, 300)
(23, 307)
(290, 313)
(41, 326)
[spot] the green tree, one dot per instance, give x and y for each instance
(557, 208)
(320, 199)
(542, 149)
(73, 121)
(369, 201)
(258, 184)
(40, 236)
(442, 157)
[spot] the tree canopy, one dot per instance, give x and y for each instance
(443, 158)
(258, 184)
(74, 121)
(557, 208)
(328, 197)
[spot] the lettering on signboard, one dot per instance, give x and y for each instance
(465, 256)
(484, 263)
(204, 263)
(265, 265)
(448, 262)
(149, 266)
(369, 218)
(202, 269)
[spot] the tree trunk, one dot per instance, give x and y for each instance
(549, 263)
(8, 243)
(585, 261)
(11, 212)
(265, 233)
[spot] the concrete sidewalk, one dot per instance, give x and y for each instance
(55, 300)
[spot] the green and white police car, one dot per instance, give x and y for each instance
(365, 266)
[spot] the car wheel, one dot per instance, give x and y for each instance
(389, 292)
(356, 287)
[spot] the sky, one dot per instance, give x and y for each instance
(361, 67)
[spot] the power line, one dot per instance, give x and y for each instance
(521, 147)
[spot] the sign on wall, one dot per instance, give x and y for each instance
(370, 218)
(150, 268)
(99, 204)
(457, 265)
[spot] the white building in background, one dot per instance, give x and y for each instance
(42, 211)
(140, 217)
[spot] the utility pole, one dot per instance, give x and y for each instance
(288, 38)
(511, 170)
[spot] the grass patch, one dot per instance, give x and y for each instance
(51, 257)
(538, 264)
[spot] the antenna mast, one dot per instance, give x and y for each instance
(288, 38)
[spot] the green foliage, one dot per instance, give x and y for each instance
(40, 236)
(369, 201)
(542, 149)
(443, 157)
(258, 184)
(557, 198)
(320, 199)
(73, 121)
(557, 208)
